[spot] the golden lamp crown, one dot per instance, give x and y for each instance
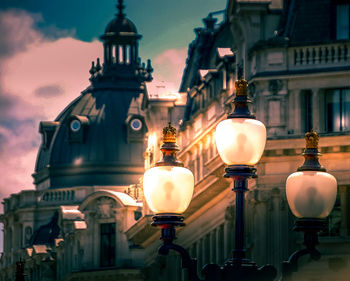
(169, 134)
(241, 87)
(312, 139)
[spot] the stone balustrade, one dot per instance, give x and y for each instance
(337, 54)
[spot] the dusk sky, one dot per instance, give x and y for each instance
(46, 49)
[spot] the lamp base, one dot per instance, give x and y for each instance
(164, 220)
(310, 225)
(243, 171)
(168, 223)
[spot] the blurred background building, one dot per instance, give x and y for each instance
(87, 217)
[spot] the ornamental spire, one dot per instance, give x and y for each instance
(120, 8)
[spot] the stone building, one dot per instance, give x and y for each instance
(295, 56)
(86, 176)
(87, 219)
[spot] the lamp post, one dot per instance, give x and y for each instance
(240, 139)
(311, 194)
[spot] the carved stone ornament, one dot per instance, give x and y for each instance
(275, 86)
(105, 207)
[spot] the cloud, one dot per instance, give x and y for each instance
(17, 32)
(168, 68)
(39, 77)
(49, 91)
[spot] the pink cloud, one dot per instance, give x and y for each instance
(39, 77)
(37, 65)
(168, 68)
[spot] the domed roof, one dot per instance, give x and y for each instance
(121, 25)
(89, 142)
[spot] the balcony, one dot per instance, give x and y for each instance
(319, 56)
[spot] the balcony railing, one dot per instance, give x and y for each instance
(330, 55)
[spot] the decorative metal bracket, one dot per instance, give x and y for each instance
(310, 227)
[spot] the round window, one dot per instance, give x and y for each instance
(136, 124)
(75, 125)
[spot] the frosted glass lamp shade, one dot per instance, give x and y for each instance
(311, 194)
(240, 141)
(168, 189)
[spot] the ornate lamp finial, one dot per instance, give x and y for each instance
(169, 134)
(120, 8)
(241, 87)
(311, 153)
(241, 101)
(312, 139)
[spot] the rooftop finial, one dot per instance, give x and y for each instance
(120, 8)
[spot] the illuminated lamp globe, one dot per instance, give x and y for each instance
(240, 141)
(311, 194)
(168, 189)
(311, 191)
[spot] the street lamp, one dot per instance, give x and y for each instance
(240, 141)
(311, 194)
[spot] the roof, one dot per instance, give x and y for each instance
(124, 199)
(71, 213)
(120, 26)
(202, 52)
(99, 153)
(308, 22)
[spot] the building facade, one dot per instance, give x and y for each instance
(87, 219)
(295, 56)
(86, 176)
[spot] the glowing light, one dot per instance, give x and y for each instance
(311, 194)
(78, 161)
(240, 141)
(168, 189)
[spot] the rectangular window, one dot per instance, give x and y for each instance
(306, 107)
(107, 244)
(343, 21)
(338, 110)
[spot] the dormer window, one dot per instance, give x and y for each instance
(342, 21)
(136, 124)
(77, 126)
(136, 128)
(47, 129)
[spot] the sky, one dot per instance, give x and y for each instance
(46, 49)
